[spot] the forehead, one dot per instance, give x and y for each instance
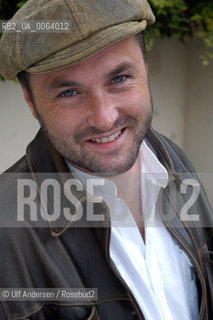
(124, 51)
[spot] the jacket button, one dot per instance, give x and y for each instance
(134, 314)
(56, 309)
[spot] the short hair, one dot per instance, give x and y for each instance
(24, 79)
(140, 37)
(24, 76)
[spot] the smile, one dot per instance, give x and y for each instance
(109, 139)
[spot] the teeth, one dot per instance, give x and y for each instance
(105, 140)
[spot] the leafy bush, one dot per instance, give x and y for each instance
(183, 19)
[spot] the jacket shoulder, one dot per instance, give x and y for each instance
(20, 166)
(8, 190)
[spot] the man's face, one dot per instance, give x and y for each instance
(96, 112)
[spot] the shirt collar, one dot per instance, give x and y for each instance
(151, 166)
(154, 176)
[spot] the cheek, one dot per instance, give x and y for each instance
(137, 101)
(65, 121)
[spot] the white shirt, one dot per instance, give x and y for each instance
(158, 273)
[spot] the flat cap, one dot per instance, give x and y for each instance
(94, 25)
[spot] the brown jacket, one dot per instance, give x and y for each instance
(44, 254)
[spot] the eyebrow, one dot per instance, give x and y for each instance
(123, 67)
(60, 83)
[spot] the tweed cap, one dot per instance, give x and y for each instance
(95, 25)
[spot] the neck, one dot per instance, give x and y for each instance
(129, 189)
(129, 181)
(128, 186)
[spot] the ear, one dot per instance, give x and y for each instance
(29, 101)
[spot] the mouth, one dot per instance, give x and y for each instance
(107, 139)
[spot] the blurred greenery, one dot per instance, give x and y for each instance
(181, 19)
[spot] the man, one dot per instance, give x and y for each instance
(120, 219)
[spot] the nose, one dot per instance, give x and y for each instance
(102, 111)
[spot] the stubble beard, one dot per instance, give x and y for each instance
(88, 162)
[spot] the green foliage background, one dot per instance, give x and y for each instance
(183, 19)
(180, 19)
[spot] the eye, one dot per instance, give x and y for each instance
(119, 79)
(68, 93)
